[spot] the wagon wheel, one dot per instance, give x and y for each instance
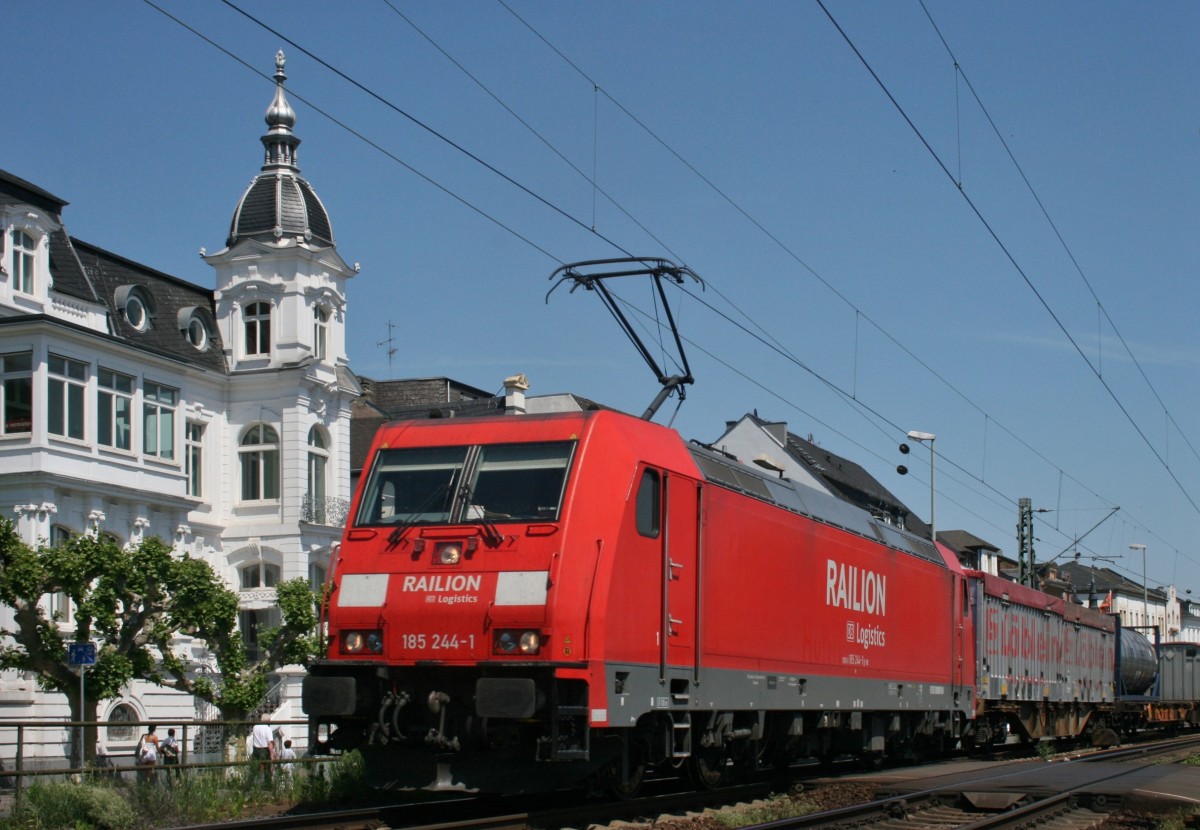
(706, 768)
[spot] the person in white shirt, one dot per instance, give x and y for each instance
(262, 749)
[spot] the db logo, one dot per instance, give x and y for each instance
(850, 631)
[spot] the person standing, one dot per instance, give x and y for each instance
(147, 754)
(288, 756)
(169, 748)
(262, 749)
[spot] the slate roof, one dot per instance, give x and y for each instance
(65, 268)
(962, 541)
(847, 480)
(1079, 575)
(171, 299)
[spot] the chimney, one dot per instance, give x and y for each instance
(514, 394)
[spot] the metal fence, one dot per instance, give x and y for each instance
(207, 744)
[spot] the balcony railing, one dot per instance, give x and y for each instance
(324, 511)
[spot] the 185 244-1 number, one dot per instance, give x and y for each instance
(436, 642)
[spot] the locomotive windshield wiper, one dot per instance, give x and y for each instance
(404, 524)
(491, 536)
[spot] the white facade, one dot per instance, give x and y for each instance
(136, 404)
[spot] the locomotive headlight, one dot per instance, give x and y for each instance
(511, 642)
(356, 642)
(448, 554)
(531, 641)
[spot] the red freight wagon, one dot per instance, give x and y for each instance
(529, 601)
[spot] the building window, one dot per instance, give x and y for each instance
(258, 575)
(24, 250)
(16, 393)
(197, 333)
(320, 333)
(135, 312)
(122, 723)
(193, 460)
(318, 460)
(60, 603)
(252, 623)
(114, 409)
(259, 454)
(257, 320)
(316, 577)
(64, 401)
(158, 420)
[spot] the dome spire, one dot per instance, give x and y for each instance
(280, 206)
(279, 142)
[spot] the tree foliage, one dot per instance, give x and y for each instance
(135, 603)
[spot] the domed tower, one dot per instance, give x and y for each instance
(280, 202)
(280, 303)
(280, 281)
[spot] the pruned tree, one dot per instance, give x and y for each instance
(133, 603)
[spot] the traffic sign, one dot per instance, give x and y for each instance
(81, 654)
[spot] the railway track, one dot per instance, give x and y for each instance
(988, 802)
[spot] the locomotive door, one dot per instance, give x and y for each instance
(681, 548)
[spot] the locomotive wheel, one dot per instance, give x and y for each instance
(706, 768)
(627, 785)
(622, 778)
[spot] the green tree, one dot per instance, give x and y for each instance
(133, 603)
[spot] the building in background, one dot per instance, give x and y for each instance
(136, 404)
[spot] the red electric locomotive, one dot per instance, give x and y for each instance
(532, 601)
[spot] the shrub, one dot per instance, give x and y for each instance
(74, 806)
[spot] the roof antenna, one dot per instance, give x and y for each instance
(656, 269)
(390, 340)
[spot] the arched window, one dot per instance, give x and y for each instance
(24, 251)
(257, 320)
(121, 723)
(258, 575)
(259, 456)
(320, 333)
(318, 460)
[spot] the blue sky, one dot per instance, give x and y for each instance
(973, 254)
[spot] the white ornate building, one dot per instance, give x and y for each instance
(133, 403)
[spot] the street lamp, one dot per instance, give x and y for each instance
(930, 437)
(1145, 589)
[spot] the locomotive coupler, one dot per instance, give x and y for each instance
(438, 703)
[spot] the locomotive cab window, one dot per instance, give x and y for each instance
(412, 486)
(452, 485)
(648, 504)
(519, 481)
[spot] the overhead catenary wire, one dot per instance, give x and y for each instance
(567, 215)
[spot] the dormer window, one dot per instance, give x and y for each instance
(136, 305)
(24, 250)
(196, 326)
(135, 312)
(257, 321)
